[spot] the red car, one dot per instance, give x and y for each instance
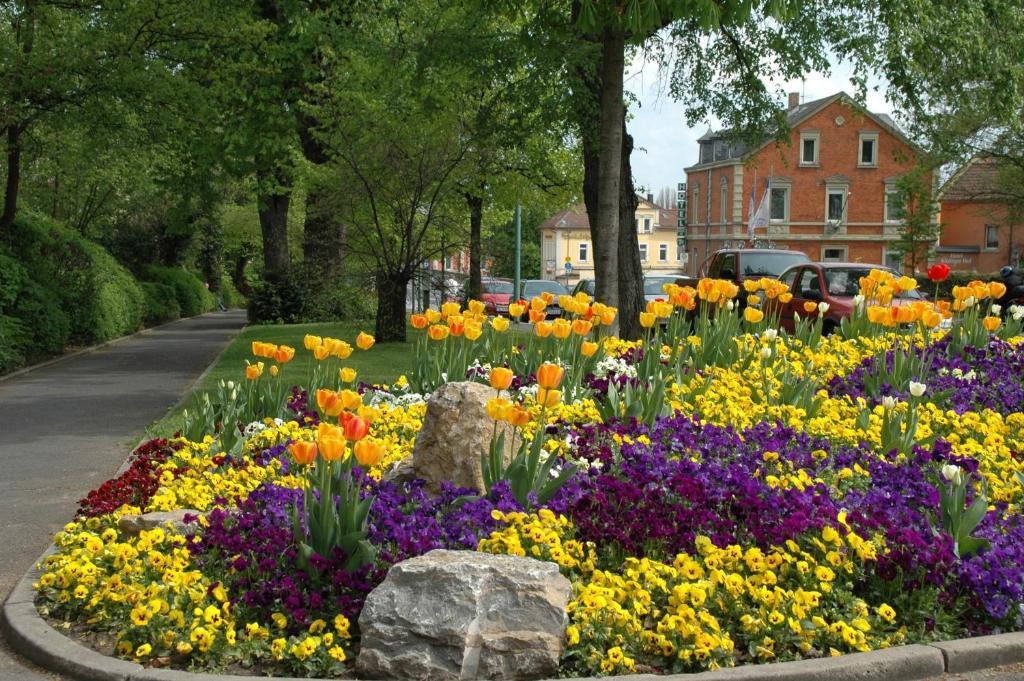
(835, 283)
(496, 294)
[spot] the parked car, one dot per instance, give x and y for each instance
(835, 283)
(532, 288)
(654, 286)
(588, 286)
(496, 294)
(740, 264)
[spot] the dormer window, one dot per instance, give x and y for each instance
(809, 148)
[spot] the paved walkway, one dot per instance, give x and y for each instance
(66, 428)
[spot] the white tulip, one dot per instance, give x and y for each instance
(1017, 312)
(996, 309)
(823, 307)
(231, 385)
(771, 334)
(952, 473)
(730, 306)
(766, 352)
(889, 402)
(970, 301)
(858, 301)
(917, 389)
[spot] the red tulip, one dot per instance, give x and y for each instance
(355, 428)
(938, 272)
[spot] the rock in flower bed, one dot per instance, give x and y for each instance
(719, 493)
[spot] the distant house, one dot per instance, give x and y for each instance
(565, 240)
(979, 231)
(833, 186)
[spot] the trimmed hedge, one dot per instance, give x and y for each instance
(161, 303)
(192, 295)
(72, 289)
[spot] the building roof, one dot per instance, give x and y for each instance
(575, 218)
(976, 181)
(802, 112)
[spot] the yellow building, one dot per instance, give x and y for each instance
(567, 253)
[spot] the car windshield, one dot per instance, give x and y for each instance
(655, 286)
(769, 264)
(535, 288)
(504, 287)
(845, 281)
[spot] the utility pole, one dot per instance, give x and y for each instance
(517, 281)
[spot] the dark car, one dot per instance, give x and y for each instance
(834, 283)
(654, 286)
(588, 286)
(532, 288)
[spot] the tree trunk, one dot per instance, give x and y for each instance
(476, 218)
(13, 177)
(606, 224)
(273, 201)
(392, 288)
(631, 274)
(323, 239)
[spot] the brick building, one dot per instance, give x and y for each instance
(979, 230)
(833, 186)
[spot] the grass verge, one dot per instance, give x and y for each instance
(381, 364)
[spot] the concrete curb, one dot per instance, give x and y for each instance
(98, 346)
(30, 635)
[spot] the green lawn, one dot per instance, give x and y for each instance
(381, 364)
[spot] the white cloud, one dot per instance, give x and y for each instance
(665, 142)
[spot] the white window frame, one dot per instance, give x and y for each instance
(864, 137)
(890, 189)
(812, 137)
(987, 228)
(788, 190)
(647, 225)
(837, 189)
(643, 252)
(662, 252)
(584, 251)
(832, 247)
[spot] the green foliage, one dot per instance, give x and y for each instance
(113, 302)
(531, 474)
(161, 303)
(230, 296)
(501, 247)
(280, 302)
(958, 521)
(192, 295)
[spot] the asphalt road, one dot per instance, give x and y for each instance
(67, 427)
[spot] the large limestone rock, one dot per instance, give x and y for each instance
(454, 615)
(456, 431)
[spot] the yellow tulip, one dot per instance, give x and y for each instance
(543, 329)
(753, 315)
(364, 341)
(473, 330)
(368, 452)
(350, 399)
(274, 370)
(561, 328)
(549, 397)
(501, 378)
(310, 342)
(499, 324)
(433, 316)
(254, 371)
(449, 309)
(581, 327)
(516, 310)
(347, 375)
(498, 408)
(648, 319)
(321, 352)
(588, 348)
(476, 307)
(332, 448)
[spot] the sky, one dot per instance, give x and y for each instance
(665, 142)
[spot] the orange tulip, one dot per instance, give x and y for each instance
(810, 307)
(991, 323)
(329, 402)
(581, 327)
(588, 348)
(369, 452)
(418, 321)
(996, 289)
(284, 354)
(332, 448)
(438, 332)
(321, 352)
(303, 452)
(254, 371)
(608, 315)
(785, 297)
(930, 318)
(457, 328)
(501, 378)
(356, 428)
(537, 316)
(549, 376)
(547, 297)
(517, 416)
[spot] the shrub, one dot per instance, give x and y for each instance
(161, 303)
(230, 295)
(193, 296)
(113, 302)
(280, 302)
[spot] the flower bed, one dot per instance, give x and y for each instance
(719, 493)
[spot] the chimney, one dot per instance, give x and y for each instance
(794, 100)
(650, 197)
